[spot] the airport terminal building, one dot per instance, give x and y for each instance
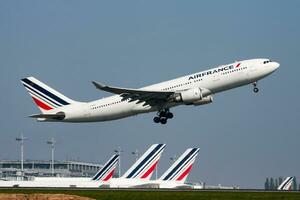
(12, 168)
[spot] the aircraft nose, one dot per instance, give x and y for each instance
(276, 65)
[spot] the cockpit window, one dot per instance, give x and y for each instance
(267, 61)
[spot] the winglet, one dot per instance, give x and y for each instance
(98, 85)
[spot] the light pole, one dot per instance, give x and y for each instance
(136, 154)
(174, 158)
(52, 145)
(119, 151)
(21, 140)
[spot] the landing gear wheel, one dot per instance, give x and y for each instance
(255, 89)
(162, 114)
(163, 120)
(156, 119)
(169, 115)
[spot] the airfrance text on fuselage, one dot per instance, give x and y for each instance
(229, 67)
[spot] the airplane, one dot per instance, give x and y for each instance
(176, 175)
(141, 171)
(286, 184)
(195, 89)
(100, 179)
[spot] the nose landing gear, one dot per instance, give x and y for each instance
(163, 116)
(255, 89)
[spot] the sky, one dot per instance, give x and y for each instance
(243, 137)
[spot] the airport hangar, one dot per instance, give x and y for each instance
(12, 168)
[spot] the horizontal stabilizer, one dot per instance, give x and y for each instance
(57, 116)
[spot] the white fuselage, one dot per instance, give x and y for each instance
(213, 81)
(138, 183)
(54, 182)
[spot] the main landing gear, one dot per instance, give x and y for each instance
(163, 116)
(255, 89)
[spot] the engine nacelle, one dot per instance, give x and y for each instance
(204, 100)
(190, 96)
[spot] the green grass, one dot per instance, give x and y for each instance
(172, 195)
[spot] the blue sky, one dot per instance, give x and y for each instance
(243, 137)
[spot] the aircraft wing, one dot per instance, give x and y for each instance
(149, 97)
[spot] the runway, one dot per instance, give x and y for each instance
(146, 190)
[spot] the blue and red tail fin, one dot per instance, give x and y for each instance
(144, 167)
(45, 97)
(286, 184)
(181, 167)
(107, 171)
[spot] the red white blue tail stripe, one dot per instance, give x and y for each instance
(182, 166)
(145, 165)
(107, 171)
(286, 184)
(44, 96)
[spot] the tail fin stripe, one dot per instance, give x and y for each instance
(285, 183)
(111, 167)
(181, 164)
(155, 157)
(156, 151)
(179, 170)
(35, 92)
(177, 173)
(106, 167)
(109, 175)
(44, 91)
(41, 104)
(185, 173)
(150, 170)
(104, 176)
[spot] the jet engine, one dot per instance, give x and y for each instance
(204, 100)
(189, 96)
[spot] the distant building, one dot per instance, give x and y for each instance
(12, 168)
